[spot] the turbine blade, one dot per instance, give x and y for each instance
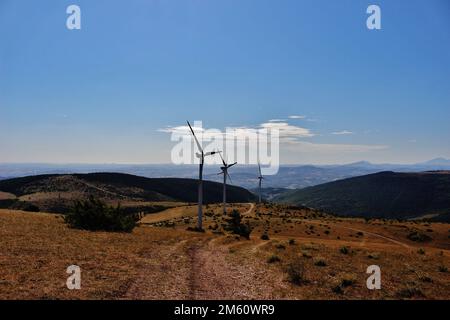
(223, 161)
(211, 153)
(232, 165)
(229, 178)
(195, 138)
(259, 167)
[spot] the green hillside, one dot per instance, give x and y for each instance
(383, 194)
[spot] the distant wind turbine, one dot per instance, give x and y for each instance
(202, 156)
(225, 175)
(260, 178)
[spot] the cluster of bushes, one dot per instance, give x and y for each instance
(418, 236)
(15, 204)
(95, 215)
(235, 225)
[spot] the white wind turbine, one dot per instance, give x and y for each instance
(225, 175)
(260, 178)
(202, 156)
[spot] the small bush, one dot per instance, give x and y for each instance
(296, 272)
(280, 246)
(410, 292)
(374, 255)
(95, 215)
(291, 242)
(306, 254)
(337, 289)
(344, 250)
(443, 269)
(273, 258)
(421, 251)
(348, 280)
(320, 262)
(264, 236)
(425, 278)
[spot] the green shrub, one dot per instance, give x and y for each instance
(264, 236)
(296, 272)
(410, 292)
(374, 255)
(344, 250)
(421, 251)
(236, 226)
(273, 258)
(443, 269)
(320, 262)
(95, 215)
(418, 236)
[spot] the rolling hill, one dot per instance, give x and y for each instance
(54, 192)
(384, 194)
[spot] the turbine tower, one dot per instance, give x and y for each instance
(225, 175)
(260, 178)
(201, 156)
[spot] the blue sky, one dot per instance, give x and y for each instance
(102, 94)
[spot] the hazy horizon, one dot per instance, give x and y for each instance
(206, 164)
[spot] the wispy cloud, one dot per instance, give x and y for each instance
(343, 132)
(291, 136)
(286, 131)
(297, 117)
(305, 146)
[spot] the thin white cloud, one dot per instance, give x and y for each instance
(285, 131)
(291, 136)
(297, 117)
(343, 132)
(304, 146)
(277, 120)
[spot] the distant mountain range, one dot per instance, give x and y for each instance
(289, 176)
(383, 194)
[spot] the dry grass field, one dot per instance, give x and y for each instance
(308, 255)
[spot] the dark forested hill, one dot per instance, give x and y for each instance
(383, 194)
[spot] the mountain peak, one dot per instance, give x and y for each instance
(437, 161)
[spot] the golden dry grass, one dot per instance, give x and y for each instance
(164, 261)
(6, 195)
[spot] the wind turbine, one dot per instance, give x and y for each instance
(225, 175)
(202, 156)
(260, 178)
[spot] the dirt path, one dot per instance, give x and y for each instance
(369, 233)
(252, 206)
(198, 268)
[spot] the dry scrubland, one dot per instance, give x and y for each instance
(308, 256)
